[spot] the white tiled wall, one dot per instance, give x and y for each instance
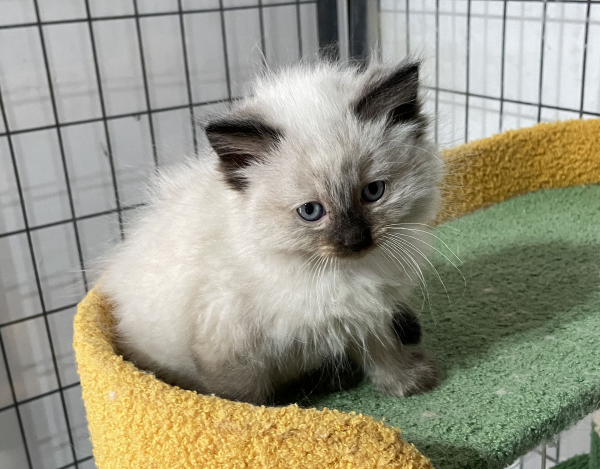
(49, 163)
(69, 173)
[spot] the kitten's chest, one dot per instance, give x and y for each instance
(306, 348)
(321, 327)
(330, 302)
(317, 315)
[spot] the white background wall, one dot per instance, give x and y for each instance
(57, 218)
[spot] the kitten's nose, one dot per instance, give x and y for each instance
(359, 241)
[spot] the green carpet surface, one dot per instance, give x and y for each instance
(581, 461)
(518, 340)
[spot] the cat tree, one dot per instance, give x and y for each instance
(517, 339)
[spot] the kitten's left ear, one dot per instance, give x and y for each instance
(393, 95)
(240, 142)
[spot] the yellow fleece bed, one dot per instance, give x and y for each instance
(137, 421)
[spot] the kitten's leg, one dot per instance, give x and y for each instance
(334, 374)
(400, 372)
(405, 325)
(394, 368)
(238, 378)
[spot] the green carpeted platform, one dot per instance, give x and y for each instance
(519, 343)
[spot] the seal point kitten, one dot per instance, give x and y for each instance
(281, 259)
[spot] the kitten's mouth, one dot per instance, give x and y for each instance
(345, 252)
(353, 244)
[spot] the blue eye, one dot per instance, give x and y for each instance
(311, 211)
(373, 192)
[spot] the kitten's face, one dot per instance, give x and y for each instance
(330, 161)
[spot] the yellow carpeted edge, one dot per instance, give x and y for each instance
(491, 170)
(136, 421)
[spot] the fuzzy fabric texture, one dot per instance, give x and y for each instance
(488, 171)
(519, 345)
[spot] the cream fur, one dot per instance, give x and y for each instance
(216, 290)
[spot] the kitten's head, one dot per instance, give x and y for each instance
(328, 159)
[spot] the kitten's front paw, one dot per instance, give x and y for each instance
(421, 376)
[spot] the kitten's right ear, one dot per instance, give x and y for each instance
(240, 142)
(393, 95)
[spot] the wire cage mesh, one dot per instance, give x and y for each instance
(95, 96)
(497, 65)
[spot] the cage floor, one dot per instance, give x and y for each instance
(517, 339)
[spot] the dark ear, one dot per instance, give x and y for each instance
(240, 142)
(393, 95)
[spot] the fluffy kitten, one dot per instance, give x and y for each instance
(289, 249)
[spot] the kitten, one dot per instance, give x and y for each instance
(288, 251)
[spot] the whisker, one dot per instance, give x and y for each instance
(306, 263)
(318, 284)
(312, 278)
(394, 257)
(417, 269)
(323, 275)
(432, 227)
(422, 254)
(428, 233)
(335, 269)
(411, 265)
(386, 254)
(431, 246)
(445, 257)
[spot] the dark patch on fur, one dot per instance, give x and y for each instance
(405, 325)
(395, 96)
(333, 375)
(350, 231)
(240, 142)
(242, 128)
(230, 167)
